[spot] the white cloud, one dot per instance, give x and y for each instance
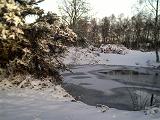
(108, 7)
(49, 5)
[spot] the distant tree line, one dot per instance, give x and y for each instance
(136, 32)
(140, 31)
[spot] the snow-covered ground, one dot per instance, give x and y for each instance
(55, 104)
(28, 104)
(79, 56)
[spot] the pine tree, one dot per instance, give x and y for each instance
(35, 48)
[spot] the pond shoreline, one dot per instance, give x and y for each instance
(98, 84)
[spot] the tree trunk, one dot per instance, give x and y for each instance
(151, 101)
(156, 32)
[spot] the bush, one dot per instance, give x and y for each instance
(35, 48)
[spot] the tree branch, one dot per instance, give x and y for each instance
(151, 5)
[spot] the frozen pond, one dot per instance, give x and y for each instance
(121, 87)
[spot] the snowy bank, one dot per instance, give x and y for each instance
(25, 104)
(79, 56)
(54, 103)
(31, 86)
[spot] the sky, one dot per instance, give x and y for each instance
(107, 7)
(99, 8)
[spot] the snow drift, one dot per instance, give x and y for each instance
(110, 55)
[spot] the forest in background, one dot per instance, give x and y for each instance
(139, 32)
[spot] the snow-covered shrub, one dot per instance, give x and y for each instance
(35, 48)
(112, 48)
(78, 55)
(152, 111)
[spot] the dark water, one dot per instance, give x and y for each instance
(121, 87)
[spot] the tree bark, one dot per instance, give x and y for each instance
(156, 32)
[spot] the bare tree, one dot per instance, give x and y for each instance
(105, 28)
(153, 6)
(94, 33)
(73, 10)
